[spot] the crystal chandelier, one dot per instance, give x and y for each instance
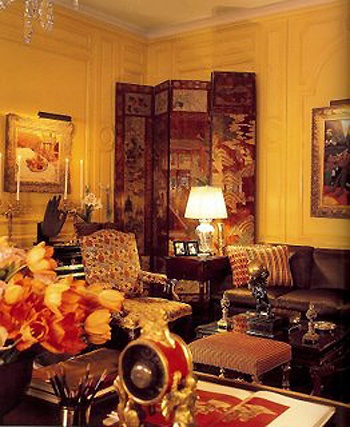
(36, 9)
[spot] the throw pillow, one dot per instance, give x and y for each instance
(239, 260)
(274, 258)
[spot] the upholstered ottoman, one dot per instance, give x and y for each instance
(244, 354)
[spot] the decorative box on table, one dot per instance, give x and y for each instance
(268, 326)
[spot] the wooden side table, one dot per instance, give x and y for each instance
(206, 270)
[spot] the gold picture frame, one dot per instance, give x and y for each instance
(42, 147)
(330, 182)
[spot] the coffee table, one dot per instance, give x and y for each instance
(322, 359)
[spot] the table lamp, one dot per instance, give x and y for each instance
(205, 204)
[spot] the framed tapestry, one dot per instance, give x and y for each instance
(330, 182)
(38, 148)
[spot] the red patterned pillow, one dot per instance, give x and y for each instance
(239, 261)
(274, 258)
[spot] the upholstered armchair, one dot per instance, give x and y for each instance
(111, 257)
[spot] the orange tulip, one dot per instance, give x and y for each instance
(53, 296)
(3, 336)
(97, 326)
(32, 333)
(111, 299)
(39, 259)
(65, 336)
(13, 294)
(63, 316)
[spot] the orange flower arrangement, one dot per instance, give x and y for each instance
(62, 315)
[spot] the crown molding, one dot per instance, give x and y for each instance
(227, 18)
(101, 17)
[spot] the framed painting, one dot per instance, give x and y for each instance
(37, 154)
(330, 185)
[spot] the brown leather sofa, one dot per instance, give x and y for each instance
(320, 276)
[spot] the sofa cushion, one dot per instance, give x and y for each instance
(137, 308)
(300, 263)
(331, 269)
(274, 258)
(344, 312)
(243, 296)
(326, 301)
(239, 262)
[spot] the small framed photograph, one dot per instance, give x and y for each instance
(192, 248)
(179, 248)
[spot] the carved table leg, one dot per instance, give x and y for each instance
(317, 373)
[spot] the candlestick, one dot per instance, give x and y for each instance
(66, 179)
(81, 188)
(9, 210)
(18, 176)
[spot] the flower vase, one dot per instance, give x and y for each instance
(14, 380)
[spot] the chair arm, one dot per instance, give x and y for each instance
(158, 285)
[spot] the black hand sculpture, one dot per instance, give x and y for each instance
(54, 219)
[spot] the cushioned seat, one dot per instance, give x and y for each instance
(243, 296)
(241, 353)
(327, 302)
(137, 307)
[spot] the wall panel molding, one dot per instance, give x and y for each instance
(316, 79)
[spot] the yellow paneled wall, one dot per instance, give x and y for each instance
(302, 61)
(73, 71)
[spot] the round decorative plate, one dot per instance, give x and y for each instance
(325, 326)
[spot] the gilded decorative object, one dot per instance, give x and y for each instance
(323, 325)
(311, 337)
(9, 210)
(224, 322)
(155, 376)
(221, 239)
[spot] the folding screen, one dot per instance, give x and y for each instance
(233, 113)
(179, 134)
(133, 162)
(181, 157)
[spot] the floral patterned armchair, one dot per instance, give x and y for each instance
(111, 257)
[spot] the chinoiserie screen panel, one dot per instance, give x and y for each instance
(182, 158)
(133, 164)
(233, 115)
(178, 134)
